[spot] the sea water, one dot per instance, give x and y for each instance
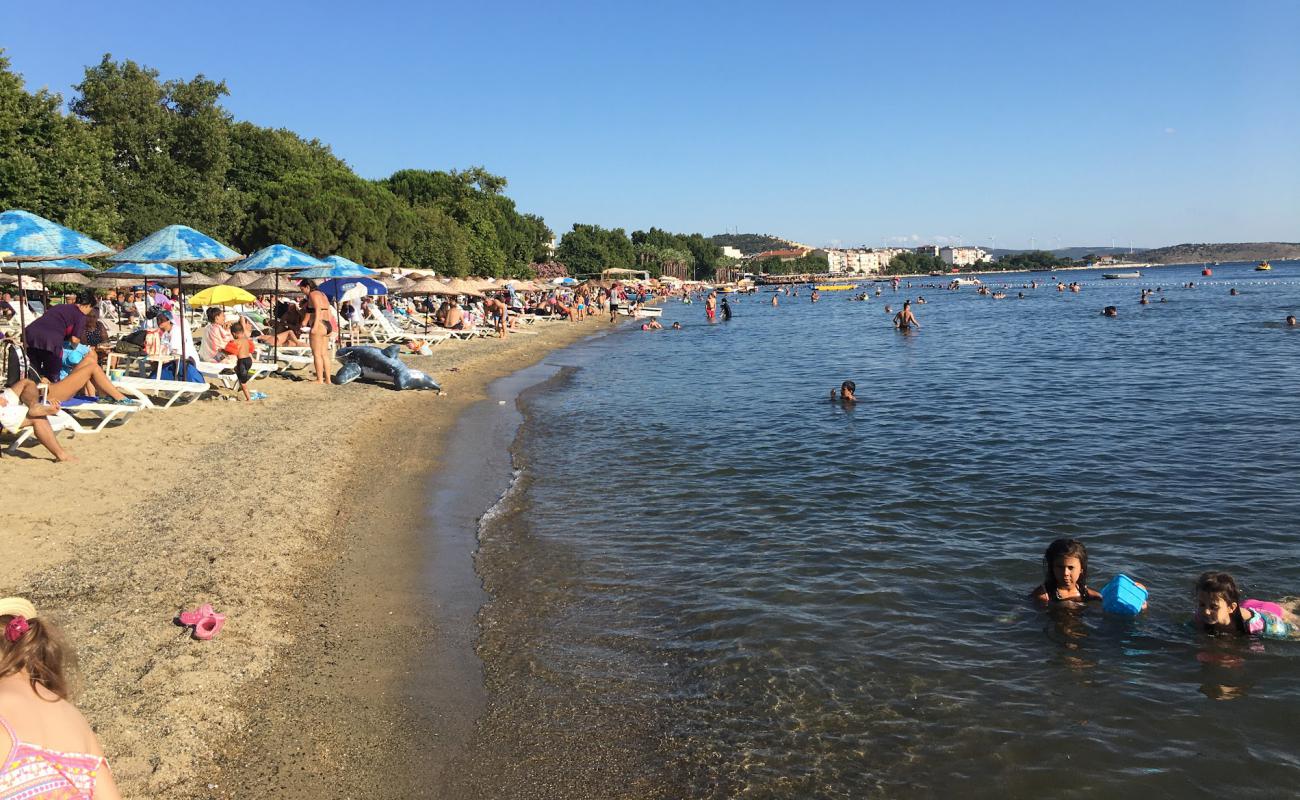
(731, 586)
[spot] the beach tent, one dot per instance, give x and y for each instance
(29, 239)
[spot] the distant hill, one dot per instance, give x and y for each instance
(750, 243)
(1242, 251)
(1074, 252)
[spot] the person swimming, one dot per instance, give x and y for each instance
(847, 393)
(905, 320)
(726, 310)
(1110, 311)
(1065, 574)
(677, 326)
(1290, 320)
(1232, 292)
(1221, 609)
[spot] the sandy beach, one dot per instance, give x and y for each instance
(300, 518)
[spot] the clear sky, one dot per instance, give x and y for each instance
(1155, 122)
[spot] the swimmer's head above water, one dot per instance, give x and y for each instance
(1110, 311)
(847, 392)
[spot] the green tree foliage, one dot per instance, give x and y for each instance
(589, 249)
(138, 153)
(916, 264)
(331, 212)
(1031, 259)
(51, 164)
(810, 264)
(704, 254)
(501, 241)
(170, 147)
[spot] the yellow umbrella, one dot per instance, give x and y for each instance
(222, 295)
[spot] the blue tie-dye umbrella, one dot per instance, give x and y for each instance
(337, 267)
(149, 271)
(29, 239)
(178, 244)
(275, 259)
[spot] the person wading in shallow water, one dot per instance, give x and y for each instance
(319, 329)
(905, 320)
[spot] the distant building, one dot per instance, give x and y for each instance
(784, 255)
(732, 252)
(931, 250)
(861, 260)
(963, 256)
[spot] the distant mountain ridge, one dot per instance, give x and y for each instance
(1238, 251)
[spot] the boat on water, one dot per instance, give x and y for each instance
(643, 311)
(1114, 276)
(836, 287)
(967, 281)
(1264, 266)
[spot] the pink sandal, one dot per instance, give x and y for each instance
(206, 622)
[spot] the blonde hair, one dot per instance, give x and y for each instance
(39, 651)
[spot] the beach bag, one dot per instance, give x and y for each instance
(14, 362)
(191, 373)
(132, 344)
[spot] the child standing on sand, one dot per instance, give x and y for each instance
(51, 750)
(1221, 609)
(243, 349)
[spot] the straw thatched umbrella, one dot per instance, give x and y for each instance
(199, 279)
(241, 279)
(266, 283)
(463, 286)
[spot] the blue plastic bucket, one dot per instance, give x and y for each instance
(1123, 596)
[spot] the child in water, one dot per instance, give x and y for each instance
(846, 393)
(1221, 609)
(1065, 576)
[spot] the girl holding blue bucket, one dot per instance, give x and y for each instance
(1065, 580)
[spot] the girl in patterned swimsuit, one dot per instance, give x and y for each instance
(47, 750)
(1220, 609)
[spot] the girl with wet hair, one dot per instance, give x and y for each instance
(1220, 608)
(1065, 578)
(52, 750)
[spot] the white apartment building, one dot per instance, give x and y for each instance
(963, 256)
(861, 260)
(732, 252)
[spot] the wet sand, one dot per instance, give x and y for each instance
(300, 518)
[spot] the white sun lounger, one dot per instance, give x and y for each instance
(106, 412)
(168, 391)
(61, 421)
(381, 326)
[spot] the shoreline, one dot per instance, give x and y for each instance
(301, 519)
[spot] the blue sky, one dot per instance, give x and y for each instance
(832, 123)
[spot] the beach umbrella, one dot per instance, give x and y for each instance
(28, 238)
(336, 288)
(222, 295)
(339, 267)
(263, 284)
(199, 279)
(242, 278)
(462, 286)
(221, 277)
(392, 281)
(271, 261)
(178, 244)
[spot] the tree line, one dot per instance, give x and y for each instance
(588, 249)
(135, 153)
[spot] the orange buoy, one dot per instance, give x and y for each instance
(1207, 272)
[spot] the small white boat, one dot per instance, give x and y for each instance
(1112, 276)
(967, 281)
(643, 311)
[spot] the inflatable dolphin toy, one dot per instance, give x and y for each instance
(380, 365)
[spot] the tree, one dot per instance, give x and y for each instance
(170, 147)
(333, 212)
(437, 243)
(51, 164)
(917, 264)
(590, 249)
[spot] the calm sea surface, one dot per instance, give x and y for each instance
(798, 600)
